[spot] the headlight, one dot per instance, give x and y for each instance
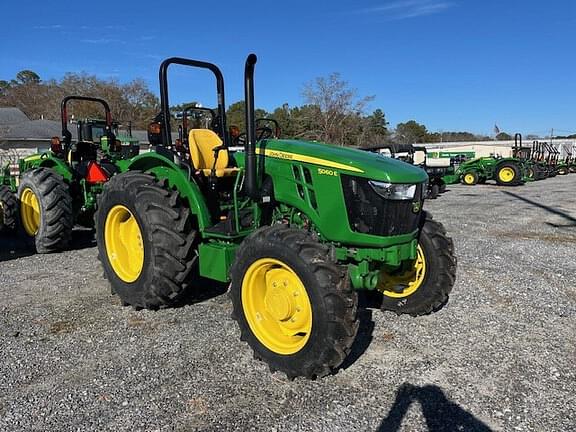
(393, 191)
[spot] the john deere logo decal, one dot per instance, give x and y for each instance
(416, 207)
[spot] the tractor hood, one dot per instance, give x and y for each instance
(343, 160)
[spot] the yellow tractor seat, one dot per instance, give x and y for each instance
(202, 143)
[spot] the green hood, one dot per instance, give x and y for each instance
(344, 160)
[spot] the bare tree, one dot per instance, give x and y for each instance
(338, 108)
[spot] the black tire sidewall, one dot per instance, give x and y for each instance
(268, 249)
(514, 167)
(474, 173)
(10, 215)
(433, 292)
(60, 193)
(133, 292)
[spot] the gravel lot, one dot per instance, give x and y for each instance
(500, 356)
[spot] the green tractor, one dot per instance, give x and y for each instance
(436, 168)
(295, 227)
(569, 160)
(507, 171)
(524, 155)
(57, 189)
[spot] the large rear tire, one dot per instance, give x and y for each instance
(45, 210)
(293, 303)
(422, 287)
(146, 240)
(8, 210)
(508, 174)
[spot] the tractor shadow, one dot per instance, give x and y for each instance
(201, 289)
(364, 337)
(570, 219)
(15, 245)
(440, 413)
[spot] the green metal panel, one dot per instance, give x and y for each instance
(325, 163)
(215, 259)
(47, 160)
(163, 168)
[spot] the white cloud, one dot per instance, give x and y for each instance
(404, 9)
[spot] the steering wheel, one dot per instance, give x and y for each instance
(264, 132)
(261, 133)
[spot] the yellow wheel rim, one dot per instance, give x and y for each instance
(276, 306)
(123, 242)
(407, 283)
(469, 178)
(506, 174)
(30, 212)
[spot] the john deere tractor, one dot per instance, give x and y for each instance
(505, 171)
(58, 188)
(295, 227)
(437, 169)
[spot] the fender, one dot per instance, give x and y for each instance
(48, 160)
(165, 169)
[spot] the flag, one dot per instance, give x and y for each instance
(496, 129)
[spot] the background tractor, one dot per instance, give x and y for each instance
(58, 188)
(524, 154)
(436, 169)
(295, 227)
(505, 171)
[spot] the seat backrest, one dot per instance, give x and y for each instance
(202, 143)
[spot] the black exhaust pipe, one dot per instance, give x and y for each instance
(251, 188)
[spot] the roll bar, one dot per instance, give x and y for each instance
(164, 103)
(66, 134)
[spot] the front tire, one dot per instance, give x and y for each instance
(146, 240)
(45, 210)
(470, 178)
(422, 287)
(434, 191)
(293, 303)
(8, 210)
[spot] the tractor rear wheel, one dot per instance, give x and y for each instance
(470, 178)
(443, 188)
(422, 286)
(8, 210)
(508, 174)
(45, 210)
(146, 240)
(293, 303)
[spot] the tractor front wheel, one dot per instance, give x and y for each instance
(45, 210)
(422, 286)
(8, 210)
(293, 303)
(146, 240)
(470, 178)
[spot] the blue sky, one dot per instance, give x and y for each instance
(450, 64)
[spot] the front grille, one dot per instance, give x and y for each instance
(369, 213)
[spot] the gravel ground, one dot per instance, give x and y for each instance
(500, 356)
